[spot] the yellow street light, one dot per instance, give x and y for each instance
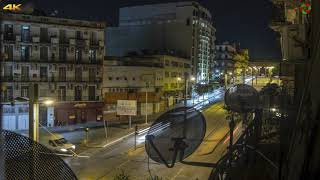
(48, 102)
(192, 78)
(179, 79)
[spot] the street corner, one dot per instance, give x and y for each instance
(135, 151)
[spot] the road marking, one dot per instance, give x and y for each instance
(178, 173)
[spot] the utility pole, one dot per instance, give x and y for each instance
(146, 108)
(34, 112)
(225, 81)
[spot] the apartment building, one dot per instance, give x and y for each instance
(63, 57)
(153, 80)
(185, 28)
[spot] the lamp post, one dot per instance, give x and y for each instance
(34, 104)
(146, 108)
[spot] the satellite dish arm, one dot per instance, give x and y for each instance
(149, 139)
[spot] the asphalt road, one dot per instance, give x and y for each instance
(107, 162)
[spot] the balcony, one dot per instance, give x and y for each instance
(35, 39)
(81, 42)
(9, 37)
(94, 43)
(64, 41)
(7, 78)
(78, 98)
(54, 40)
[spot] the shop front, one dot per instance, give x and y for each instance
(78, 113)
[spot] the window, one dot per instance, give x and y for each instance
(167, 74)
(93, 38)
(8, 32)
(43, 73)
(77, 93)
(78, 74)
(44, 56)
(92, 55)
(44, 35)
(188, 22)
(174, 74)
(62, 36)
(62, 74)
(92, 93)
(110, 78)
(92, 74)
(8, 94)
(8, 73)
(25, 73)
(62, 93)
(25, 33)
(78, 35)
(8, 50)
(25, 53)
(24, 91)
(78, 55)
(167, 63)
(63, 54)
(133, 78)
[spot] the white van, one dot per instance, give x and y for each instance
(58, 143)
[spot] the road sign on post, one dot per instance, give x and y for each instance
(127, 108)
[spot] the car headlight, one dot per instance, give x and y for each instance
(73, 147)
(63, 150)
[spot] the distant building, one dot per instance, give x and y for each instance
(183, 29)
(224, 62)
(63, 56)
(161, 76)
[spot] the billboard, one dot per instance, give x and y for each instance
(127, 107)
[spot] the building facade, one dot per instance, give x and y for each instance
(151, 80)
(291, 24)
(185, 28)
(224, 62)
(63, 57)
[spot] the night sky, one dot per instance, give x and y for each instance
(244, 21)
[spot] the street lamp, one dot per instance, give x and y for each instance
(34, 105)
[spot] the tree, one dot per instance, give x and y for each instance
(202, 89)
(241, 60)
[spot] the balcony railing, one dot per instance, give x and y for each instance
(54, 61)
(73, 98)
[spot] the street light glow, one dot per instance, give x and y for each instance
(48, 102)
(179, 79)
(192, 78)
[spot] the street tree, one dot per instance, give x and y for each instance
(241, 60)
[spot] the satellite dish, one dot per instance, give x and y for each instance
(242, 98)
(175, 134)
(27, 159)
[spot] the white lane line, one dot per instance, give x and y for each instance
(120, 139)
